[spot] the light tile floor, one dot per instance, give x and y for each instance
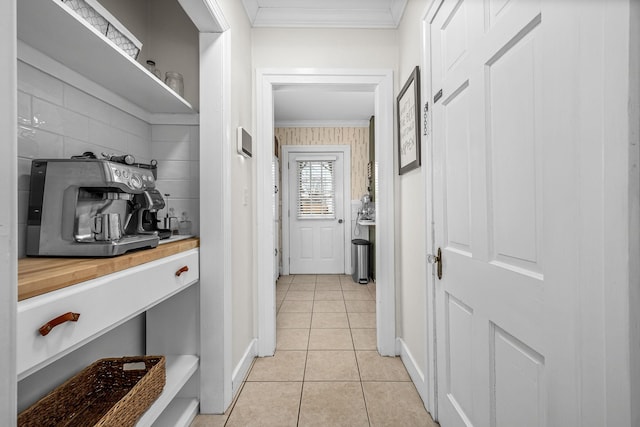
(326, 370)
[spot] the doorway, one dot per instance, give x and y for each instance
(380, 82)
(315, 191)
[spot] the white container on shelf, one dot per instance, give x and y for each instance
(107, 24)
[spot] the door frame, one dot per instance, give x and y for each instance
(346, 191)
(430, 392)
(380, 82)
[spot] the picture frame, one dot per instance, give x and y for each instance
(408, 113)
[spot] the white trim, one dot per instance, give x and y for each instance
(215, 233)
(206, 15)
(8, 214)
(287, 150)
(380, 81)
(430, 396)
(348, 16)
(242, 368)
(413, 368)
(322, 124)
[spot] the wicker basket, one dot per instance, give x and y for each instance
(109, 392)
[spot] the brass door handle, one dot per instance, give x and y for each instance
(436, 259)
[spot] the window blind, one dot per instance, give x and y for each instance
(316, 189)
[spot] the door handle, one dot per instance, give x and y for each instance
(340, 221)
(436, 259)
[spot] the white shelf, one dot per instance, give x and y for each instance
(53, 29)
(179, 370)
(366, 222)
(180, 413)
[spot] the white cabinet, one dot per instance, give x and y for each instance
(166, 289)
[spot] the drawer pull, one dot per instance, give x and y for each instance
(67, 317)
(182, 270)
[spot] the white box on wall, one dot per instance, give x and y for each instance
(244, 142)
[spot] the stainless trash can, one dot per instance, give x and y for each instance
(360, 260)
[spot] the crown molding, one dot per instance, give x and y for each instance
(345, 14)
(322, 124)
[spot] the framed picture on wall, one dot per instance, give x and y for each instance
(408, 110)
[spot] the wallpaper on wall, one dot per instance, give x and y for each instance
(357, 138)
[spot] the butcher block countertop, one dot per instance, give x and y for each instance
(37, 276)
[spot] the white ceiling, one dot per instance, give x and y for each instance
(324, 106)
(321, 107)
(325, 13)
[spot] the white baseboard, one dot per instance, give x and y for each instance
(416, 374)
(242, 369)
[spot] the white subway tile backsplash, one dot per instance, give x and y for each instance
(38, 143)
(85, 104)
(195, 142)
(130, 124)
(75, 147)
(162, 150)
(178, 188)
(24, 109)
(174, 169)
(57, 119)
(138, 147)
(36, 83)
(170, 133)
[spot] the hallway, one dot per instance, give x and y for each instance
(326, 370)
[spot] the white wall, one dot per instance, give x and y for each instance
(244, 289)
(411, 210)
(324, 48)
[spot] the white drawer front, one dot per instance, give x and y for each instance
(103, 303)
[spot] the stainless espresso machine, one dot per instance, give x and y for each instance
(90, 208)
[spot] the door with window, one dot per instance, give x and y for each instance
(315, 213)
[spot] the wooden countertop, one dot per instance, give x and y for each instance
(37, 276)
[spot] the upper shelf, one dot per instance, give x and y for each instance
(53, 29)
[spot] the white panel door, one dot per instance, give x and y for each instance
(316, 236)
(489, 185)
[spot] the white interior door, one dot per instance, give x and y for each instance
(493, 357)
(316, 213)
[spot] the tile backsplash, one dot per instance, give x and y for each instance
(57, 120)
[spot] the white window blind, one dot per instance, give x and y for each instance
(316, 189)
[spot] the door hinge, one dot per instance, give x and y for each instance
(436, 259)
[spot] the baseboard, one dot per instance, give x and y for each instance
(242, 369)
(416, 374)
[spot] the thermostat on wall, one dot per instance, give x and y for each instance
(244, 142)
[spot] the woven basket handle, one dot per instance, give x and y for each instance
(67, 317)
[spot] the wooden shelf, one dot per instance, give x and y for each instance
(55, 30)
(179, 371)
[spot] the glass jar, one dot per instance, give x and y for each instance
(175, 82)
(151, 66)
